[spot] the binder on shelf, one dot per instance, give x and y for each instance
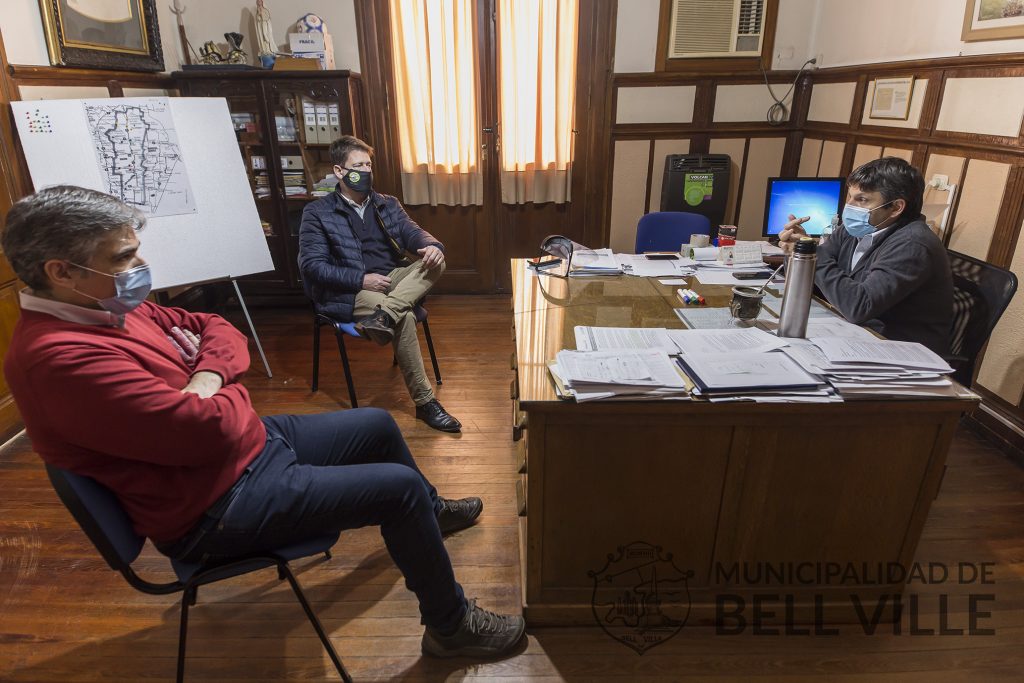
(323, 130)
(334, 121)
(309, 128)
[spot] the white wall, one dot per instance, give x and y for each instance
(870, 31)
(22, 27)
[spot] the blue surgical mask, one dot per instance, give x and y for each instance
(132, 288)
(855, 219)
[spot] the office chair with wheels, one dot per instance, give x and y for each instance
(981, 292)
(101, 517)
(667, 230)
(343, 329)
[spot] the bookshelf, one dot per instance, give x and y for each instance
(284, 122)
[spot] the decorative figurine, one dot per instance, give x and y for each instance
(209, 54)
(266, 48)
(236, 55)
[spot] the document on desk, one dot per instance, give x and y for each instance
(724, 276)
(645, 368)
(773, 302)
(834, 326)
(703, 318)
(724, 342)
(641, 266)
(843, 350)
(608, 338)
(594, 262)
(747, 371)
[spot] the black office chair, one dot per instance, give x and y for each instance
(981, 292)
(341, 329)
(105, 522)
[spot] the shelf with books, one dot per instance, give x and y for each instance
(287, 165)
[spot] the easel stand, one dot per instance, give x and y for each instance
(252, 328)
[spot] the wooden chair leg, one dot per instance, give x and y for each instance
(430, 347)
(316, 353)
(339, 335)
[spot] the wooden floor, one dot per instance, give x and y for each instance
(64, 616)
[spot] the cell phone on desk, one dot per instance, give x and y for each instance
(654, 256)
(543, 262)
(752, 274)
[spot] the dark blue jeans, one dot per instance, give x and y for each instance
(334, 471)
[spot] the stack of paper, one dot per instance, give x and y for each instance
(858, 367)
(594, 262)
(751, 375)
(592, 375)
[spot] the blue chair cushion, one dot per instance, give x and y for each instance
(238, 566)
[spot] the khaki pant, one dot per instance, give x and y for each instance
(408, 285)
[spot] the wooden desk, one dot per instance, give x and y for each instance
(720, 487)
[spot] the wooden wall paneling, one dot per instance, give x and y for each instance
(764, 160)
(948, 165)
(736, 148)
(983, 138)
(831, 163)
(630, 183)
(1006, 239)
(898, 152)
(981, 197)
(810, 157)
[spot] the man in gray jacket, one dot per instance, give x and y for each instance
(885, 268)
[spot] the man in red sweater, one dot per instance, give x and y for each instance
(147, 401)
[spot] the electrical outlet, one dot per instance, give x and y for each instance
(819, 60)
(940, 182)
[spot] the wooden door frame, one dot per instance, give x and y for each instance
(590, 180)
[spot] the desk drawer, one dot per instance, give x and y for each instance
(521, 457)
(518, 421)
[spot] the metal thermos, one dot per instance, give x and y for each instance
(796, 302)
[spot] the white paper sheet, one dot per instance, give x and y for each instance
(881, 351)
(609, 338)
(704, 318)
(724, 342)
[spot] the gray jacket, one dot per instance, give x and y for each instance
(902, 287)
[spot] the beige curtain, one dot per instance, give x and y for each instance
(436, 101)
(537, 74)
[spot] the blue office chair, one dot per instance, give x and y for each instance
(343, 329)
(104, 521)
(667, 230)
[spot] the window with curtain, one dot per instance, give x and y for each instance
(436, 101)
(537, 79)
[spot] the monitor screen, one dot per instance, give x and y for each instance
(819, 198)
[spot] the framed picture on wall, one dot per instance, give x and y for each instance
(891, 98)
(993, 20)
(103, 34)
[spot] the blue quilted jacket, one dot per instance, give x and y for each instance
(331, 255)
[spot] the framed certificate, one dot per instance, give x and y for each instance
(891, 98)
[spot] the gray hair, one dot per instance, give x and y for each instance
(61, 222)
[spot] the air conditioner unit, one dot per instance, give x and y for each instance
(716, 28)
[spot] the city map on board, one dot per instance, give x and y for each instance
(139, 157)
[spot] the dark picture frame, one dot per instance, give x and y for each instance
(75, 38)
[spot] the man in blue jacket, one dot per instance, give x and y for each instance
(353, 248)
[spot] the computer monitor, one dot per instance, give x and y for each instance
(819, 198)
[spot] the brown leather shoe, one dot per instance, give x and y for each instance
(378, 326)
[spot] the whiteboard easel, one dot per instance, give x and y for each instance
(221, 239)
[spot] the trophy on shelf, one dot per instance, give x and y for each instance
(236, 55)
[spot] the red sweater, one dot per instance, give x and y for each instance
(106, 402)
